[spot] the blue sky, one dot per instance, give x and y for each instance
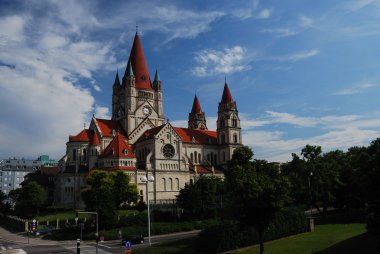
(301, 72)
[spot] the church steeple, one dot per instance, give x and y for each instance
(139, 66)
(116, 83)
(197, 119)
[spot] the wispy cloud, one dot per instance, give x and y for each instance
(226, 61)
(252, 10)
(292, 57)
(356, 5)
(281, 32)
(305, 21)
(338, 132)
(355, 89)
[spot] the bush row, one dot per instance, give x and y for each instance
(230, 235)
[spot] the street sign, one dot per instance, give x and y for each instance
(128, 244)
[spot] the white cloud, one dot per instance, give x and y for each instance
(355, 89)
(302, 55)
(102, 112)
(306, 21)
(277, 117)
(264, 14)
(39, 84)
(252, 10)
(281, 32)
(11, 29)
(229, 60)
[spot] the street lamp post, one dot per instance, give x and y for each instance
(97, 226)
(146, 181)
(310, 196)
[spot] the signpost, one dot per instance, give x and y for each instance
(128, 249)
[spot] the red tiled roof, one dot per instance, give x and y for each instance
(226, 98)
(196, 106)
(139, 66)
(200, 136)
(148, 134)
(203, 170)
(49, 171)
(86, 136)
(83, 136)
(117, 148)
(106, 127)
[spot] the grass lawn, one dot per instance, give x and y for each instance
(326, 239)
(183, 246)
(330, 238)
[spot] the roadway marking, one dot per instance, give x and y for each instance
(105, 246)
(3, 248)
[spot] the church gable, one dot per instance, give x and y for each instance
(143, 126)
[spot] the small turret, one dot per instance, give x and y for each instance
(157, 82)
(197, 119)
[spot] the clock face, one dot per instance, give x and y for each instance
(147, 111)
(168, 151)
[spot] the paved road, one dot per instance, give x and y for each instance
(18, 244)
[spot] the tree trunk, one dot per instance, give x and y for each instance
(261, 232)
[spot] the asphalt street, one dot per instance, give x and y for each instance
(17, 244)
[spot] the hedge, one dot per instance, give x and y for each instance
(230, 235)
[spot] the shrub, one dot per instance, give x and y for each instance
(231, 235)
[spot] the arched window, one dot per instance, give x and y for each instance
(199, 158)
(74, 154)
(223, 138)
(170, 184)
(235, 138)
(177, 183)
(191, 157)
(195, 156)
(222, 122)
(234, 122)
(164, 183)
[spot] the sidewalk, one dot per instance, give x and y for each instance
(7, 236)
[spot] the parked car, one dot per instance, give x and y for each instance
(133, 239)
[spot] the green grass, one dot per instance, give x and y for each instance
(330, 238)
(183, 246)
(326, 239)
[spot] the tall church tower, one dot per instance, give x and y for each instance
(136, 104)
(228, 126)
(197, 119)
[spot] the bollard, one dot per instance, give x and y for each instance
(78, 246)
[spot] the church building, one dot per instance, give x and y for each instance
(139, 141)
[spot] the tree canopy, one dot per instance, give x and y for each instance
(106, 192)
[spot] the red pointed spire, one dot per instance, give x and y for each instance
(226, 98)
(196, 106)
(139, 65)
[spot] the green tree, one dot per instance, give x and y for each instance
(2, 201)
(123, 191)
(255, 195)
(106, 191)
(199, 199)
(29, 199)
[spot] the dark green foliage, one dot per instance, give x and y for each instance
(256, 192)
(199, 199)
(101, 196)
(232, 235)
(29, 199)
